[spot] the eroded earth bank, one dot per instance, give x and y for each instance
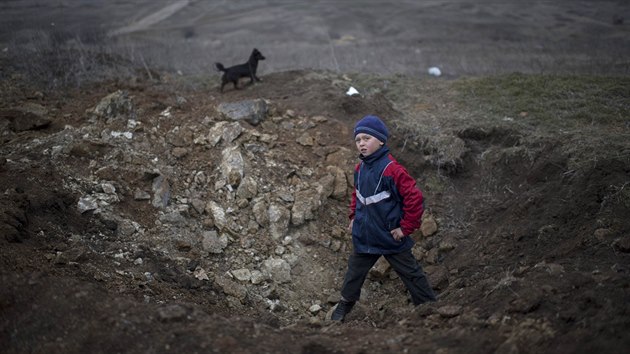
(154, 216)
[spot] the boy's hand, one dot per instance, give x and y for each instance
(397, 234)
(350, 226)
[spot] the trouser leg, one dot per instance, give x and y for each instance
(359, 265)
(412, 275)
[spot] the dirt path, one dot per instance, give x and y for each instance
(152, 19)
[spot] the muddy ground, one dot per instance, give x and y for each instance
(529, 256)
(142, 242)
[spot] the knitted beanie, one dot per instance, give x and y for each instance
(373, 126)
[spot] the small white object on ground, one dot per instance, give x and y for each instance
(435, 71)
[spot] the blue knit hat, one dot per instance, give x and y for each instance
(373, 126)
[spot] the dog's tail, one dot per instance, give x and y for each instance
(220, 66)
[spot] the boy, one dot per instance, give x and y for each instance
(386, 208)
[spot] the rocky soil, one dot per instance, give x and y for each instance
(151, 216)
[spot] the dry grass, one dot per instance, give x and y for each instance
(562, 102)
(57, 60)
(588, 117)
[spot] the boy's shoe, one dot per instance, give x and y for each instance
(343, 308)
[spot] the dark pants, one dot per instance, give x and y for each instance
(404, 264)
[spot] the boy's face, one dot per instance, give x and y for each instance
(367, 144)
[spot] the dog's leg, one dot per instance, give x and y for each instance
(223, 83)
(252, 75)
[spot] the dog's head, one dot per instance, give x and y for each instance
(257, 55)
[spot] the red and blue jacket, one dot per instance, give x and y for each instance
(385, 197)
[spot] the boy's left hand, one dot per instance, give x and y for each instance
(397, 234)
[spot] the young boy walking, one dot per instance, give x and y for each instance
(386, 208)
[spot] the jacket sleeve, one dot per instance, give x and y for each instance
(353, 201)
(353, 204)
(412, 200)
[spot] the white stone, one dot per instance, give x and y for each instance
(314, 309)
(242, 274)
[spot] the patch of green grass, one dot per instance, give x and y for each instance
(587, 117)
(561, 101)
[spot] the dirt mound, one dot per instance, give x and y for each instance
(142, 219)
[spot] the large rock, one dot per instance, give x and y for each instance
(306, 139)
(380, 268)
(248, 188)
(325, 186)
(232, 288)
(261, 213)
(161, 192)
(233, 166)
(216, 133)
(242, 274)
(252, 111)
(429, 225)
(278, 270)
(340, 185)
(87, 203)
(127, 228)
(218, 214)
(213, 243)
(231, 131)
(116, 105)
(278, 217)
(306, 202)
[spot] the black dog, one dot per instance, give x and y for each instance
(234, 73)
